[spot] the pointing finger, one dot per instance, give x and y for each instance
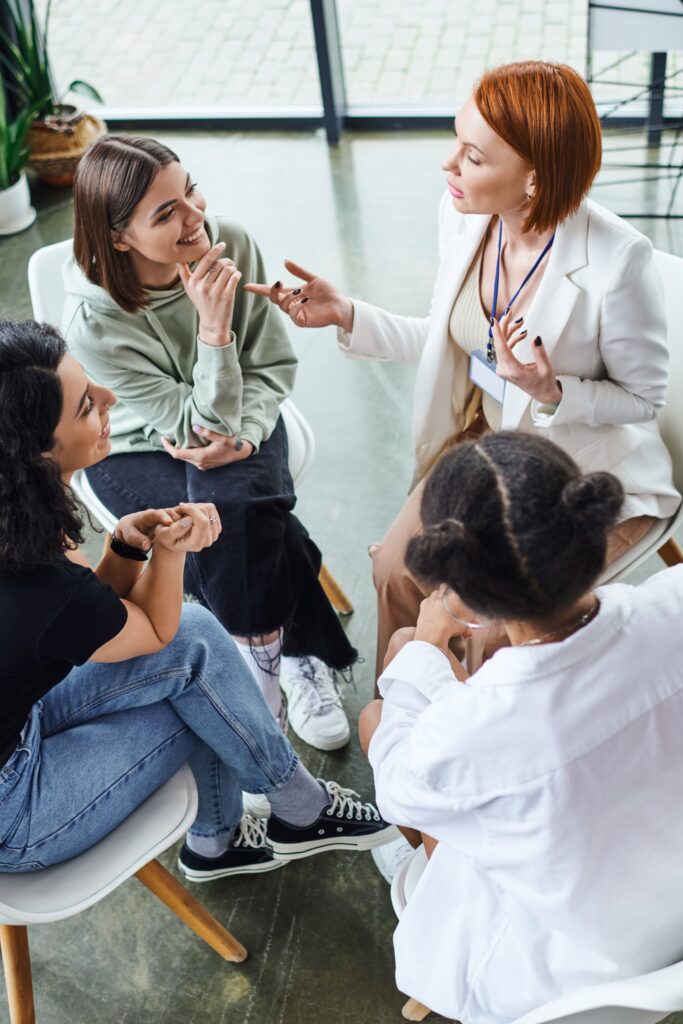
(259, 289)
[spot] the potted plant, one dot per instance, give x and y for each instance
(16, 212)
(60, 133)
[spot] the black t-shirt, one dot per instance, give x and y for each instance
(50, 621)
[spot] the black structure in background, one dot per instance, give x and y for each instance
(336, 114)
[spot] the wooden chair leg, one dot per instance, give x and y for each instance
(335, 594)
(413, 1010)
(671, 553)
(162, 883)
(16, 960)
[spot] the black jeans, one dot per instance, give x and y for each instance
(262, 572)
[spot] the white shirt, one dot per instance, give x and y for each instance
(553, 780)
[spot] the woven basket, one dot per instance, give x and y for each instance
(57, 146)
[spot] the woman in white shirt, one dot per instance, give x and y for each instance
(581, 357)
(550, 780)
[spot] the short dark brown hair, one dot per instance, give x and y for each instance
(112, 178)
(546, 113)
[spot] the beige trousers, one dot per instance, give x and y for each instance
(399, 594)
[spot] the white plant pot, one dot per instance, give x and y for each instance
(16, 212)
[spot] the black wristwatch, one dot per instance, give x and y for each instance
(123, 550)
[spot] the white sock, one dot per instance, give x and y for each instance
(264, 664)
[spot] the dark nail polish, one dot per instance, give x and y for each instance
(305, 299)
(520, 320)
(524, 334)
(297, 291)
(538, 341)
(278, 284)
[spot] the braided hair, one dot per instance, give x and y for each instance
(514, 527)
(39, 516)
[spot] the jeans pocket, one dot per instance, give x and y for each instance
(15, 777)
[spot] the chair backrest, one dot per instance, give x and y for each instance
(45, 281)
(671, 417)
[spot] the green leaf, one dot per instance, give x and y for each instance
(85, 89)
(27, 60)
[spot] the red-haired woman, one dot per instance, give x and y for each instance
(547, 316)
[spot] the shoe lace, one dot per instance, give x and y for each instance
(317, 691)
(346, 803)
(251, 832)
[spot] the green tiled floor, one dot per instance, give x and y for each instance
(320, 931)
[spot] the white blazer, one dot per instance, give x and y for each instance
(553, 780)
(600, 311)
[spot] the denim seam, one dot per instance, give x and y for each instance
(135, 684)
(246, 738)
(217, 806)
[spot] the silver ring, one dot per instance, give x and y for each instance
(213, 519)
(213, 269)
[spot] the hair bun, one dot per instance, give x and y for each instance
(429, 551)
(442, 535)
(593, 501)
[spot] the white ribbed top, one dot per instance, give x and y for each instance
(469, 329)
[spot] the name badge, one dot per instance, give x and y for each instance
(483, 374)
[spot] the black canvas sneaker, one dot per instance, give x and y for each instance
(346, 824)
(248, 854)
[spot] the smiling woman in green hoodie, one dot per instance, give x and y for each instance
(156, 312)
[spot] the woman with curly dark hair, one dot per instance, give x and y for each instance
(548, 784)
(108, 683)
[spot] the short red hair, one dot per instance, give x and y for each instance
(546, 113)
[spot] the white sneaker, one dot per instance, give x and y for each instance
(256, 804)
(389, 859)
(314, 707)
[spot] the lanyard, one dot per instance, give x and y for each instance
(490, 350)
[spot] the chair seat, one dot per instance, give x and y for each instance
(66, 889)
(648, 997)
(649, 545)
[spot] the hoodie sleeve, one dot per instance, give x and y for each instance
(130, 361)
(266, 356)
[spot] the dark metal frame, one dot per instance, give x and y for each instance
(655, 122)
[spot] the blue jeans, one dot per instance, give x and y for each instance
(106, 737)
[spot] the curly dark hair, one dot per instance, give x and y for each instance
(39, 516)
(514, 527)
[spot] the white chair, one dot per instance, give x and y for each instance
(661, 539)
(645, 999)
(61, 891)
(47, 298)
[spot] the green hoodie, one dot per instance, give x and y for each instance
(165, 378)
